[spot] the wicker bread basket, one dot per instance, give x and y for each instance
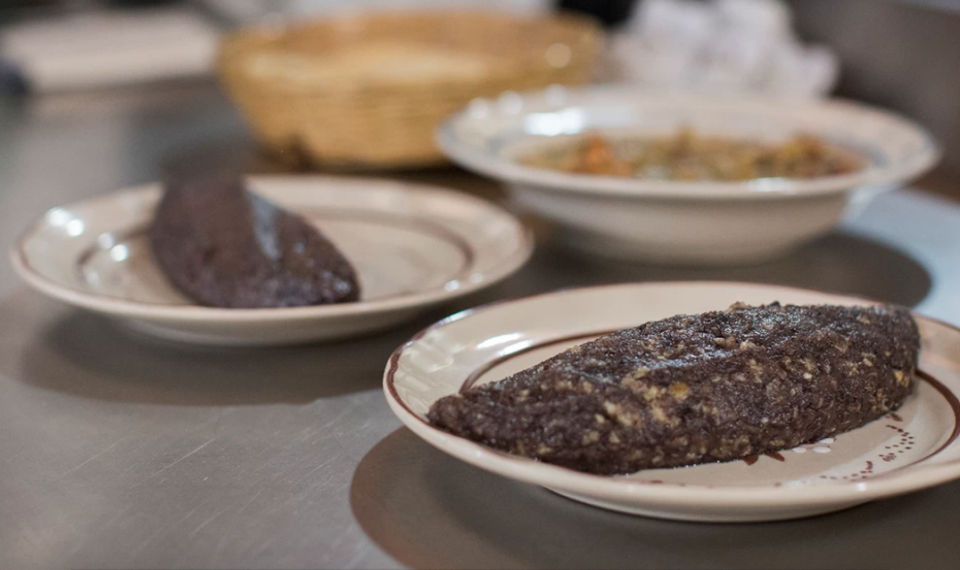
(368, 91)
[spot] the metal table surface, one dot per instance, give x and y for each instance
(122, 452)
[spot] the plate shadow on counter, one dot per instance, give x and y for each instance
(429, 510)
(52, 347)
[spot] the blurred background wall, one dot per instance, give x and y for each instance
(902, 54)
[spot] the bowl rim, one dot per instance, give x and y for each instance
(876, 177)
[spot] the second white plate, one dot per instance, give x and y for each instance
(912, 449)
(413, 247)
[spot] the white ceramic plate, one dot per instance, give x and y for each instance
(909, 450)
(413, 247)
(673, 221)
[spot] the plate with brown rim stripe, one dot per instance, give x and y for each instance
(413, 246)
(911, 448)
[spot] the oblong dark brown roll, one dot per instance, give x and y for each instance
(224, 246)
(696, 389)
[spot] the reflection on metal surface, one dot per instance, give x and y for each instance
(106, 240)
(75, 227)
(59, 217)
(119, 252)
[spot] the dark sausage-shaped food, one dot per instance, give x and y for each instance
(697, 388)
(224, 246)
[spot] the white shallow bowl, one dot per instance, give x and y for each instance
(909, 450)
(413, 247)
(672, 221)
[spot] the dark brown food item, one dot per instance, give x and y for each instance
(224, 246)
(696, 389)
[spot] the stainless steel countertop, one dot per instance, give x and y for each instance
(123, 452)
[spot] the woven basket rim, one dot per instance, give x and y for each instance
(586, 44)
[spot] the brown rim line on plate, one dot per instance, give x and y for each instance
(393, 365)
(421, 225)
(951, 399)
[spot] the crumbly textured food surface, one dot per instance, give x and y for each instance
(696, 389)
(226, 247)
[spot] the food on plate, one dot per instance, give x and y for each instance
(694, 389)
(224, 246)
(689, 157)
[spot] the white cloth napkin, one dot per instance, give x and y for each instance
(101, 49)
